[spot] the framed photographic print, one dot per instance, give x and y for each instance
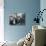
(18, 19)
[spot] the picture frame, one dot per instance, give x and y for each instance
(18, 19)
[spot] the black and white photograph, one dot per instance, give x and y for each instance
(18, 19)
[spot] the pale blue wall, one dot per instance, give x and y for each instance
(14, 33)
(43, 6)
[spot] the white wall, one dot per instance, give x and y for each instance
(1, 21)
